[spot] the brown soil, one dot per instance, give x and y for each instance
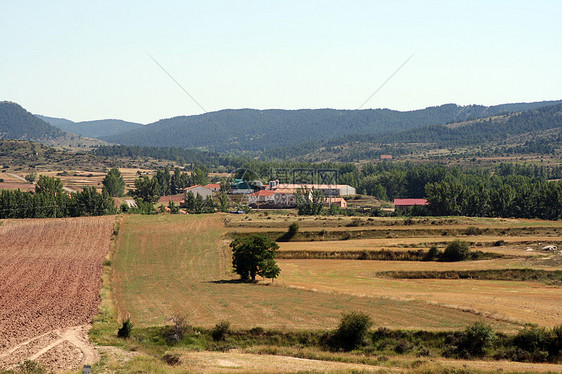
(50, 279)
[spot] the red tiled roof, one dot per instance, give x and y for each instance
(189, 188)
(409, 202)
(213, 185)
(263, 193)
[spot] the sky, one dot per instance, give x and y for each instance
(91, 60)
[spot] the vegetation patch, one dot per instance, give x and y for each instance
(546, 276)
(382, 255)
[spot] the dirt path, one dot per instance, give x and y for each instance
(61, 349)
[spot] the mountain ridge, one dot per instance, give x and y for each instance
(241, 130)
(92, 129)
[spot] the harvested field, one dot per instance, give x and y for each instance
(519, 302)
(50, 273)
(180, 264)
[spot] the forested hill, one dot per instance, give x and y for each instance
(18, 123)
(531, 131)
(92, 129)
(481, 131)
(261, 130)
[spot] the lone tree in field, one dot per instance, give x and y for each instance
(253, 256)
(114, 183)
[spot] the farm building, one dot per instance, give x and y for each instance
(241, 186)
(215, 187)
(198, 190)
(386, 157)
(261, 198)
(327, 189)
(284, 198)
(406, 204)
(337, 201)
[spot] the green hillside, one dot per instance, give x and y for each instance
(92, 129)
(18, 123)
(264, 130)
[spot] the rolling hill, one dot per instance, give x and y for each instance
(18, 123)
(92, 129)
(536, 131)
(263, 130)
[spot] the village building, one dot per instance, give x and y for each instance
(337, 201)
(241, 186)
(262, 198)
(198, 190)
(407, 204)
(285, 198)
(326, 189)
(215, 187)
(386, 157)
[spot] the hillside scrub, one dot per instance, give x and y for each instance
(476, 341)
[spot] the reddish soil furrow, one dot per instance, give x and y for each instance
(50, 278)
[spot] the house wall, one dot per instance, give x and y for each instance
(199, 190)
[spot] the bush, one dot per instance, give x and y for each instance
(433, 254)
(175, 332)
(536, 341)
(171, 359)
(456, 251)
(351, 331)
(125, 330)
(220, 330)
(476, 340)
(290, 234)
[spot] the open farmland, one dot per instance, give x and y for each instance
(167, 265)
(50, 273)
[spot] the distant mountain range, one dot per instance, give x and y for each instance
(262, 130)
(288, 133)
(92, 129)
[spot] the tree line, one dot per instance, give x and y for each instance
(50, 201)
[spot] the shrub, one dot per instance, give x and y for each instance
(473, 230)
(220, 330)
(351, 331)
(175, 332)
(476, 339)
(433, 254)
(456, 251)
(171, 359)
(536, 341)
(125, 330)
(290, 234)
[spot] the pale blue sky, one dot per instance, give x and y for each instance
(87, 60)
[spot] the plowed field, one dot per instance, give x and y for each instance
(50, 272)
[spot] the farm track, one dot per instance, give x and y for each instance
(50, 273)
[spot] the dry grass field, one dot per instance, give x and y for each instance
(50, 273)
(518, 302)
(167, 264)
